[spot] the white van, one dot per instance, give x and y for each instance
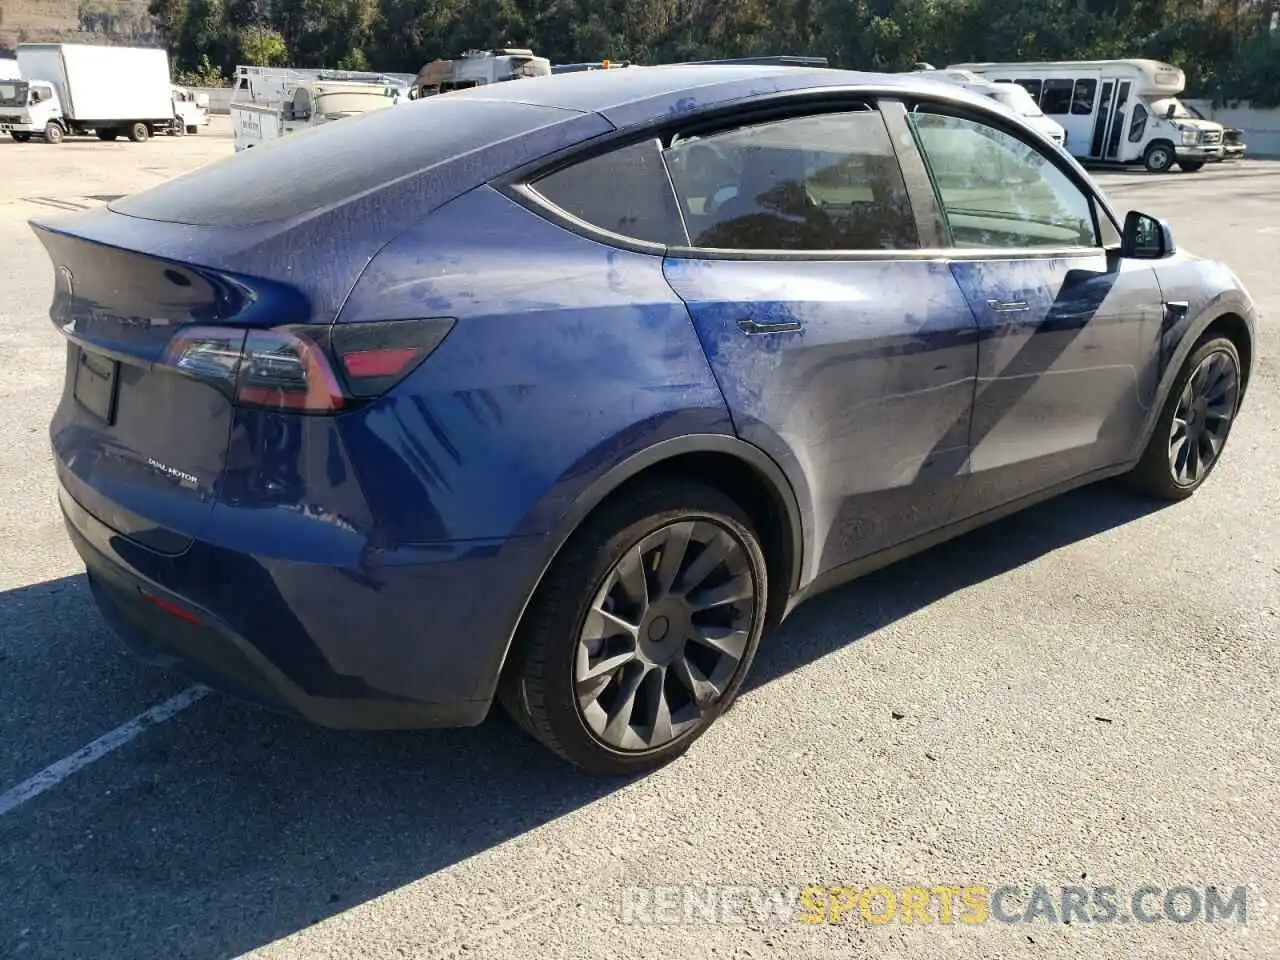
(1009, 95)
(1116, 111)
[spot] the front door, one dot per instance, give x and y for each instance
(1069, 331)
(842, 352)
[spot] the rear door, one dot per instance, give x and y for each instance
(1069, 330)
(841, 348)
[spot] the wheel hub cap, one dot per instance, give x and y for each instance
(665, 635)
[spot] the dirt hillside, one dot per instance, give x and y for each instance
(82, 21)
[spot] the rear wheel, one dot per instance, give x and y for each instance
(53, 132)
(1159, 157)
(138, 132)
(1193, 427)
(1190, 166)
(107, 135)
(21, 137)
(642, 631)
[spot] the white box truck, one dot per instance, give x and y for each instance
(74, 88)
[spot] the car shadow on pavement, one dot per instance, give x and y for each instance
(230, 827)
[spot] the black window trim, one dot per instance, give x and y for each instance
(1097, 202)
(521, 184)
(893, 103)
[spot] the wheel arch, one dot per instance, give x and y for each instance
(1229, 317)
(739, 469)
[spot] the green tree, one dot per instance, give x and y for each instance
(261, 47)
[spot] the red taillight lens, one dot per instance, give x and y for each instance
(374, 357)
(293, 368)
(362, 364)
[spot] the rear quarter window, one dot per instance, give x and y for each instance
(335, 161)
(625, 191)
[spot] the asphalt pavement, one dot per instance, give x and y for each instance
(1083, 695)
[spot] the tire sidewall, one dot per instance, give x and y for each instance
(566, 720)
(1155, 150)
(1160, 439)
(53, 133)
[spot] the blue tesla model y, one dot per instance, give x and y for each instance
(560, 392)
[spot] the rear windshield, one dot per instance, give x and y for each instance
(334, 161)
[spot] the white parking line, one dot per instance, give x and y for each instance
(55, 773)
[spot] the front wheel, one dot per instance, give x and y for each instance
(1193, 427)
(1158, 158)
(53, 132)
(1190, 166)
(642, 631)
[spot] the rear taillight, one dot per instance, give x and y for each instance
(314, 370)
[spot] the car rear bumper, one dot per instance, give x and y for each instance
(225, 620)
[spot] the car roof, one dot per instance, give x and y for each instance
(638, 95)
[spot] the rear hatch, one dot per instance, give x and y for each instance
(216, 292)
(154, 346)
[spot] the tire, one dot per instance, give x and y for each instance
(53, 132)
(21, 137)
(1159, 157)
(539, 686)
(139, 132)
(193, 130)
(1157, 474)
(1190, 166)
(107, 135)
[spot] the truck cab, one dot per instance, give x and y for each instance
(189, 114)
(28, 108)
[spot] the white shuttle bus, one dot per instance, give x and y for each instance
(1116, 111)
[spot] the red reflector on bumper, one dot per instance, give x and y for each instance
(172, 609)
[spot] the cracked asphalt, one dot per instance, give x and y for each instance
(1084, 694)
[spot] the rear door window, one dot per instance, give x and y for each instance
(824, 182)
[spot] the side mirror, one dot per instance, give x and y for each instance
(1173, 108)
(1146, 238)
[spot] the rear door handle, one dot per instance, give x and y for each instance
(1008, 306)
(752, 327)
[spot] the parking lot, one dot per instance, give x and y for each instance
(1084, 694)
